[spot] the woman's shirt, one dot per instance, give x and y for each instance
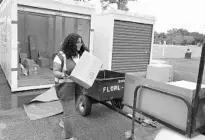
(70, 64)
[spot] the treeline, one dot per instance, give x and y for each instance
(179, 37)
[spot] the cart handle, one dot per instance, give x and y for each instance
(195, 101)
(188, 131)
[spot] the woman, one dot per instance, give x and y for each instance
(63, 64)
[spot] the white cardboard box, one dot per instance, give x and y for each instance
(86, 70)
(160, 72)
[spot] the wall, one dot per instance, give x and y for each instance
(69, 26)
(173, 51)
(65, 25)
(58, 32)
(83, 30)
(103, 37)
(49, 30)
(32, 24)
(6, 38)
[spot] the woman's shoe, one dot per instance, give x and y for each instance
(63, 134)
(71, 138)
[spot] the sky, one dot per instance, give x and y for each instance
(187, 14)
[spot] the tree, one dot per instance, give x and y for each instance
(105, 4)
(179, 37)
(121, 4)
(183, 32)
(188, 40)
(178, 40)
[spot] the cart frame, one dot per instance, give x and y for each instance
(192, 108)
(108, 86)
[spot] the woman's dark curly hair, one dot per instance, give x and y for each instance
(69, 47)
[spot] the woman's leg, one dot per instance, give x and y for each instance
(68, 131)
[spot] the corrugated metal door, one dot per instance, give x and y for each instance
(131, 46)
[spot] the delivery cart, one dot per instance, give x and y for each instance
(193, 108)
(108, 86)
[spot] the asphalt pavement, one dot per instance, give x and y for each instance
(102, 124)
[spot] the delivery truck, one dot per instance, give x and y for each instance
(31, 32)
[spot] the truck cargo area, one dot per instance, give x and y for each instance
(39, 37)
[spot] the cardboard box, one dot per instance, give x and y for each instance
(160, 72)
(43, 62)
(33, 70)
(27, 63)
(22, 57)
(86, 70)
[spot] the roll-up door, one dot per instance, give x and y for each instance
(131, 46)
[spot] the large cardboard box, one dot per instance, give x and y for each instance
(86, 70)
(160, 72)
(43, 62)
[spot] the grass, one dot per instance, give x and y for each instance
(186, 65)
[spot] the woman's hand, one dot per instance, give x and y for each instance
(65, 75)
(68, 72)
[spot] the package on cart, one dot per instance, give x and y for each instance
(86, 70)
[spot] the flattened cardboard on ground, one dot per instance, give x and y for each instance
(49, 95)
(44, 105)
(86, 70)
(37, 111)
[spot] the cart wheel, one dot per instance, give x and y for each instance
(84, 105)
(117, 103)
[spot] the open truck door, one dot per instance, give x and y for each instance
(8, 41)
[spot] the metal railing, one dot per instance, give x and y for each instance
(192, 108)
(148, 115)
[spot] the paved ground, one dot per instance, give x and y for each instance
(10, 100)
(102, 124)
(5, 93)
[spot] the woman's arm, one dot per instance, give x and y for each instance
(57, 70)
